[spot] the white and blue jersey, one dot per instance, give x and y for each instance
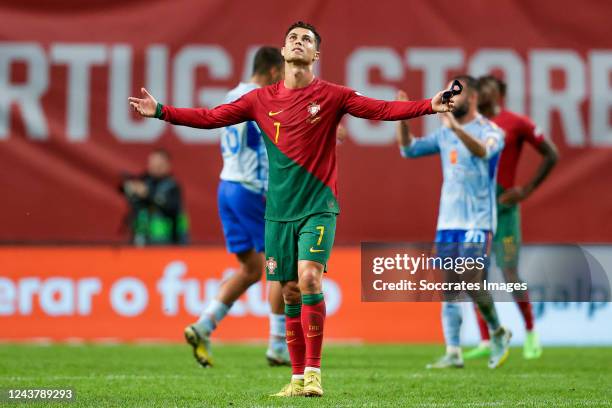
(468, 199)
(245, 160)
(244, 182)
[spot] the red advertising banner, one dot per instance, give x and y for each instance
(66, 133)
(152, 294)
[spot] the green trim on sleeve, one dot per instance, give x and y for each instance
(158, 110)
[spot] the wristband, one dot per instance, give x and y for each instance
(158, 110)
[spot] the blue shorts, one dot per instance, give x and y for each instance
(463, 243)
(242, 216)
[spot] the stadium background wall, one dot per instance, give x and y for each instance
(66, 70)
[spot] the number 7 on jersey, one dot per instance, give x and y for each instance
(277, 126)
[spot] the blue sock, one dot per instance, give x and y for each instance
(451, 323)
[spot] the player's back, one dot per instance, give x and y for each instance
(244, 153)
(467, 200)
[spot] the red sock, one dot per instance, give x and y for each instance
(313, 318)
(482, 325)
(524, 306)
(296, 344)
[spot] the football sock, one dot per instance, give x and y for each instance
(211, 316)
(313, 319)
(482, 325)
(451, 323)
(277, 331)
(295, 339)
(489, 313)
(453, 350)
(524, 306)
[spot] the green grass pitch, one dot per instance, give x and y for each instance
(353, 376)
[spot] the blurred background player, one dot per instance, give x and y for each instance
(157, 215)
(242, 203)
(469, 147)
(506, 244)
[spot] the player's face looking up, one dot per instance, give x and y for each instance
(466, 100)
(300, 47)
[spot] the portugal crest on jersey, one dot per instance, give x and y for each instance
(271, 265)
(314, 108)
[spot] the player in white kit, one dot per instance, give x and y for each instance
(469, 146)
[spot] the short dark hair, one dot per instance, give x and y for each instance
(265, 59)
(501, 85)
(301, 24)
(468, 81)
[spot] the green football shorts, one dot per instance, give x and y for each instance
(310, 238)
(507, 240)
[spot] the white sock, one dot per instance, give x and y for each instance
(453, 350)
(297, 377)
(315, 369)
(277, 325)
(211, 316)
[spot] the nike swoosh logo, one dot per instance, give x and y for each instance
(314, 335)
(291, 341)
(316, 250)
(274, 113)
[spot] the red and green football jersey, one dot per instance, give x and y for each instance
(299, 127)
(518, 129)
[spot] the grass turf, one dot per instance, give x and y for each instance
(353, 376)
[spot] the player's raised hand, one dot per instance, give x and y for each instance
(513, 195)
(450, 121)
(439, 106)
(145, 106)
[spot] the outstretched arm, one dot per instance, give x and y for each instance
(367, 108)
(223, 115)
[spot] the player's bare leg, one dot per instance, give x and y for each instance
(198, 334)
(532, 348)
(483, 350)
(277, 353)
(500, 335)
(451, 323)
(451, 326)
(251, 268)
